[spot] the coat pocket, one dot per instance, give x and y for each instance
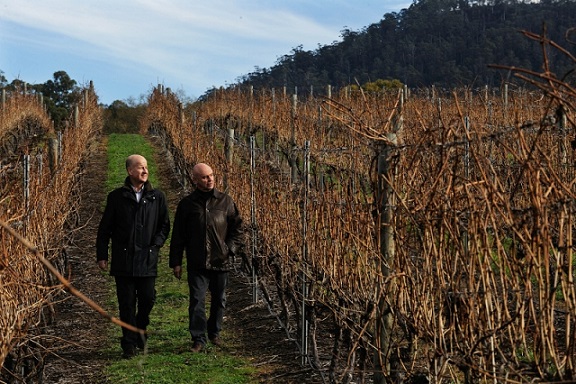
(152, 259)
(120, 260)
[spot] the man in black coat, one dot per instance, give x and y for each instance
(137, 223)
(208, 226)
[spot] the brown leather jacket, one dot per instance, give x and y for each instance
(208, 226)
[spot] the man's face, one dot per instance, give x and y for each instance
(204, 179)
(138, 172)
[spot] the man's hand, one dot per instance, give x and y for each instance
(103, 264)
(178, 271)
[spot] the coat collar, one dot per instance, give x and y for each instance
(147, 185)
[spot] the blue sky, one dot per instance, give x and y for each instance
(126, 47)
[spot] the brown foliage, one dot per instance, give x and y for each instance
(44, 217)
(479, 188)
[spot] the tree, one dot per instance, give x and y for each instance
(15, 85)
(61, 95)
(382, 84)
(122, 117)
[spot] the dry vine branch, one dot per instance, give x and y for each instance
(67, 283)
(475, 236)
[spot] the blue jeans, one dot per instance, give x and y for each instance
(136, 298)
(199, 282)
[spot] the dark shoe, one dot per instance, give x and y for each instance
(129, 352)
(217, 341)
(197, 347)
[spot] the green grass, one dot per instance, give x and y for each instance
(167, 358)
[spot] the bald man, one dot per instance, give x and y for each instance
(208, 227)
(137, 224)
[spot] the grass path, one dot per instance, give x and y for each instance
(167, 358)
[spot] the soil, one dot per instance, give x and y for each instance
(80, 335)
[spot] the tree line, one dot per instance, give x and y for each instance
(61, 93)
(442, 43)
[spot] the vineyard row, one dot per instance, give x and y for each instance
(400, 235)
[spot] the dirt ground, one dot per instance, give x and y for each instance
(79, 333)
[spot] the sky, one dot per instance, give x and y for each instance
(128, 47)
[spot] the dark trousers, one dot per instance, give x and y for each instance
(199, 283)
(136, 297)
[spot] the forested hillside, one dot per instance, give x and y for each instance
(446, 43)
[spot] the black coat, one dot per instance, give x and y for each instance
(137, 231)
(209, 227)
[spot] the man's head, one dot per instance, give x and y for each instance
(203, 177)
(137, 168)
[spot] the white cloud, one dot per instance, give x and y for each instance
(196, 43)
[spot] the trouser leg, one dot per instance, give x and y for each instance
(217, 286)
(126, 294)
(198, 282)
(146, 297)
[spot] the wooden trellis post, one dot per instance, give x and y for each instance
(305, 284)
(26, 180)
(229, 152)
(59, 142)
(253, 220)
(76, 116)
(53, 157)
(386, 205)
(387, 250)
(292, 159)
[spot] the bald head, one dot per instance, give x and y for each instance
(203, 177)
(137, 168)
(134, 159)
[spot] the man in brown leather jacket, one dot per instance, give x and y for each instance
(208, 226)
